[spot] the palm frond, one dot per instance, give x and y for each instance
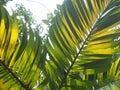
(21, 56)
(83, 41)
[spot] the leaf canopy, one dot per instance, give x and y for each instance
(81, 51)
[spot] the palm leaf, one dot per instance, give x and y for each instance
(83, 43)
(21, 56)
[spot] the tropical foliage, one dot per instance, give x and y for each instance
(81, 52)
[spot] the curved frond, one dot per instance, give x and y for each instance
(22, 57)
(83, 41)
